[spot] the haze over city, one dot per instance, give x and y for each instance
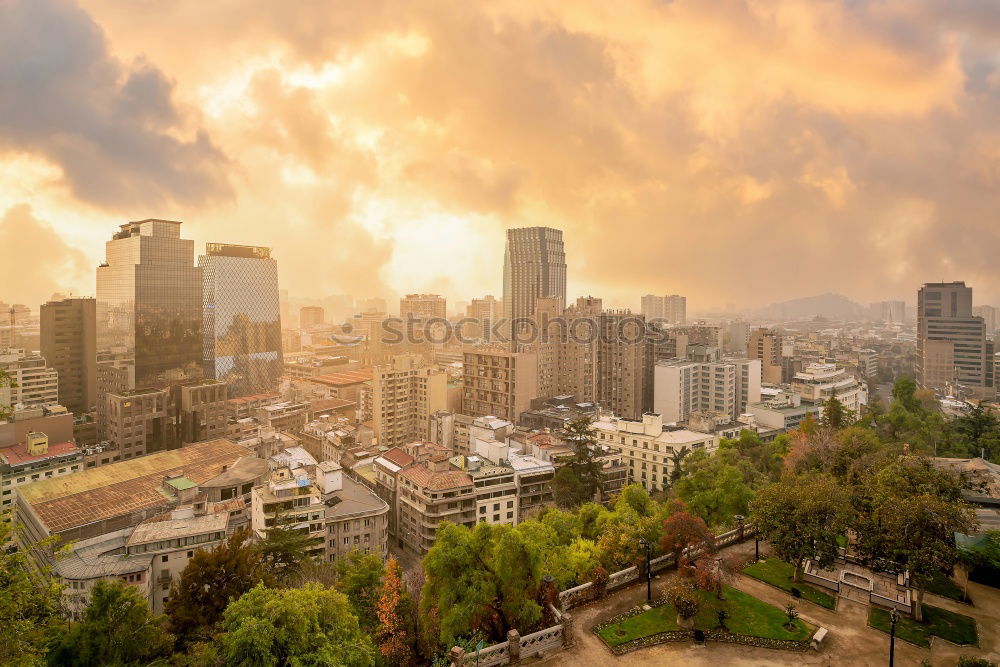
(736, 152)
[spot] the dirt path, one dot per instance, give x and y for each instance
(850, 642)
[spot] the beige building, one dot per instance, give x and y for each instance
(136, 422)
(68, 342)
(202, 409)
(429, 494)
(404, 394)
(423, 306)
(624, 380)
(33, 382)
(818, 383)
(498, 382)
(954, 354)
(32, 459)
(765, 344)
(310, 317)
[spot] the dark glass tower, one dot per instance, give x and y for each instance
(149, 305)
(534, 265)
(242, 318)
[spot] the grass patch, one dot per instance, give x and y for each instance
(946, 587)
(842, 541)
(956, 628)
(747, 616)
(779, 573)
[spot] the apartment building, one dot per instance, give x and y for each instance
(429, 494)
(202, 409)
(623, 376)
(33, 382)
(497, 381)
(423, 307)
(647, 446)
(311, 317)
(704, 383)
(765, 345)
(781, 411)
(404, 394)
(671, 309)
(818, 383)
(136, 422)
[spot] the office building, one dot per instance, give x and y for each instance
(33, 384)
(137, 422)
(423, 307)
(765, 344)
(242, 318)
(890, 312)
(310, 317)
(781, 411)
(486, 311)
(991, 319)
(202, 410)
(403, 396)
(534, 265)
(818, 383)
(953, 353)
(68, 342)
(498, 382)
(704, 383)
(624, 378)
(149, 304)
(737, 340)
(670, 309)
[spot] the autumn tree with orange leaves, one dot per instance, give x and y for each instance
(393, 638)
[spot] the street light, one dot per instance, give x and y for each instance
(893, 617)
(644, 543)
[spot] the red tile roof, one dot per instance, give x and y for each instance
(18, 454)
(398, 456)
(436, 481)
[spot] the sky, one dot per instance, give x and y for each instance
(738, 152)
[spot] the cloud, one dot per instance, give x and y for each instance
(36, 261)
(112, 128)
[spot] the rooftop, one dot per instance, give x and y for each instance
(154, 531)
(17, 454)
(71, 501)
(436, 481)
(355, 499)
(343, 378)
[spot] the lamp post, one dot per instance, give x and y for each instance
(893, 617)
(644, 543)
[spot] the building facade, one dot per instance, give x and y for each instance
(242, 318)
(953, 352)
(498, 382)
(534, 265)
(68, 341)
(403, 396)
(33, 383)
(765, 344)
(423, 306)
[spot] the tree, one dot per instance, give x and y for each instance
(359, 577)
(567, 489)
(30, 599)
(717, 486)
(6, 381)
(297, 626)
(910, 513)
(904, 393)
(676, 461)
(684, 599)
(394, 640)
(581, 437)
(117, 629)
(683, 531)
(835, 415)
(212, 579)
(284, 550)
(481, 579)
(802, 517)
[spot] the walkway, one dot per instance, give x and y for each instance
(850, 642)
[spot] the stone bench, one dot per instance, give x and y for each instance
(817, 639)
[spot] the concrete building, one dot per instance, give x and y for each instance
(555, 412)
(534, 265)
(624, 378)
(33, 459)
(646, 446)
(423, 307)
(137, 422)
(202, 409)
(497, 381)
(765, 344)
(429, 494)
(310, 317)
(404, 394)
(68, 342)
(704, 383)
(781, 411)
(670, 309)
(486, 311)
(818, 383)
(737, 341)
(953, 352)
(890, 312)
(991, 319)
(33, 383)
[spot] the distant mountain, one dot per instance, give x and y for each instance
(831, 306)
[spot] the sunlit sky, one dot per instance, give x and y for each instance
(738, 152)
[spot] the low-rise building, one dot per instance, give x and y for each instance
(429, 494)
(32, 460)
(782, 411)
(817, 383)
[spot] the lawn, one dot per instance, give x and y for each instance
(779, 573)
(956, 628)
(946, 587)
(747, 616)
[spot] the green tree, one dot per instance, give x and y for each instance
(676, 463)
(581, 437)
(117, 629)
(30, 600)
(904, 393)
(910, 514)
(481, 579)
(359, 577)
(297, 626)
(284, 550)
(567, 489)
(835, 415)
(212, 579)
(802, 517)
(717, 486)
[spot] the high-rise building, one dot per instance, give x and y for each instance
(624, 378)
(201, 410)
(33, 383)
(403, 395)
(486, 311)
(890, 312)
(242, 318)
(310, 316)
(671, 309)
(705, 383)
(991, 319)
(765, 344)
(137, 422)
(149, 303)
(69, 344)
(423, 306)
(952, 349)
(534, 265)
(737, 338)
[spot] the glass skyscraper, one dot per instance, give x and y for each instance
(149, 305)
(242, 318)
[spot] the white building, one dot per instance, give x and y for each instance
(818, 382)
(33, 383)
(703, 383)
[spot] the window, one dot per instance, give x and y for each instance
(510, 515)
(163, 558)
(190, 554)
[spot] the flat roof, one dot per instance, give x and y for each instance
(17, 454)
(343, 378)
(68, 502)
(154, 531)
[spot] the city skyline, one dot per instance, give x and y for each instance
(366, 148)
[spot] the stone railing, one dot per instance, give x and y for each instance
(516, 647)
